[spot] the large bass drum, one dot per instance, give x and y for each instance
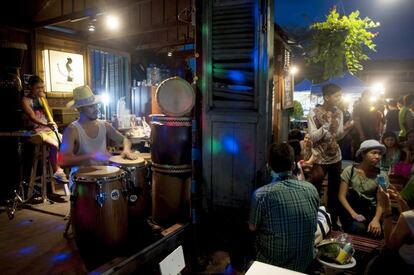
(175, 97)
(171, 140)
(100, 209)
(171, 191)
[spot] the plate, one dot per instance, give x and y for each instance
(351, 264)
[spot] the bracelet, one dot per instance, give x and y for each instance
(389, 215)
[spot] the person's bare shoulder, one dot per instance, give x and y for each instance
(70, 131)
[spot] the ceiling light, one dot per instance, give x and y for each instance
(112, 22)
(91, 28)
(169, 54)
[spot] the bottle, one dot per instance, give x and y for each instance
(345, 254)
(115, 121)
(381, 182)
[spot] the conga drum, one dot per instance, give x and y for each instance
(171, 140)
(171, 191)
(99, 207)
(137, 185)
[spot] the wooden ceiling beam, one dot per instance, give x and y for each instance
(88, 12)
(67, 17)
(133, 31)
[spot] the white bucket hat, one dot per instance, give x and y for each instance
(370, 144)
(83, 96)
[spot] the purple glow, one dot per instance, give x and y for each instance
(25, 250)
(61, 256)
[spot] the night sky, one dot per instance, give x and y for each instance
(396, 33)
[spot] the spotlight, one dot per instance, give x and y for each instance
(105, 98)
(293, 70)
(112, 22)
(378, 88)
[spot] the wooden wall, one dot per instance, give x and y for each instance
(19, 35)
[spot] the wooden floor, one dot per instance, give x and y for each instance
(33, 242)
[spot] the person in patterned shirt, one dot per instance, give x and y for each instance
(325, 127)
(283, 214)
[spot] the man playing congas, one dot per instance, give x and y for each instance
(34, 106)
(84, 140)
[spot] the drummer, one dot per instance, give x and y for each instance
(84, 140)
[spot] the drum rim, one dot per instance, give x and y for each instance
(116, 175)
(171, 119)
(141, 162)
(169, 112)
(99, 180)
(165, 168)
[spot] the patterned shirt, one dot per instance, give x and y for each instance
(325, 128)
(39, 112)
(285, 214)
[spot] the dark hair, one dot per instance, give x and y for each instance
(295, 134)
(392, 103)
(330, 89)
(295, 144)
(34, 79)
(389, 134)
(281, 157)
(408, 99)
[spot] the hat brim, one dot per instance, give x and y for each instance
(72, 104)
(379, 147)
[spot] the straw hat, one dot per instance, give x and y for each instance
(83, 96)
(370, 144)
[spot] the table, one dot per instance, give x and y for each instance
(259, 268)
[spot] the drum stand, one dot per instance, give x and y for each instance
(19, 199)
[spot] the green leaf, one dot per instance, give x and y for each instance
(341, 42)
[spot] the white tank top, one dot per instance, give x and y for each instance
(89, 145)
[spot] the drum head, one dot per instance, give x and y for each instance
(119, 160)
(175, 96)
(93, 172)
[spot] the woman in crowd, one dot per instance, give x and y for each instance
(358, 191)
(409, 144)
(398, 255)
(306, 148)
(393, 153)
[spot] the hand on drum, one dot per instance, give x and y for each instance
(99, 156)
(130, 155)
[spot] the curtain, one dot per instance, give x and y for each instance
(110, 74)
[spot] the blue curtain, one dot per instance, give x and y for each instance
(110, 74)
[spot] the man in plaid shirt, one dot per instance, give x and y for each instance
(284, 214)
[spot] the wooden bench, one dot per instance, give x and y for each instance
(361, 243)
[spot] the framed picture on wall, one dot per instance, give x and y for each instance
(64, 71)
(287, 92)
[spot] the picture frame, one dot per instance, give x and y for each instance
(287, 92)
(64, 71)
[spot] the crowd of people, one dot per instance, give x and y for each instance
(378, 147)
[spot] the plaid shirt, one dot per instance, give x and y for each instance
(285, 214)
